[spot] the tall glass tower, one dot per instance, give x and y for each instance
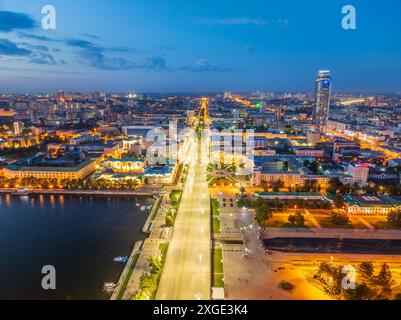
(322, 104)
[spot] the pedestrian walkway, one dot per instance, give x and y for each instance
(313, 219)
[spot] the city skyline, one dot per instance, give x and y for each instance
(209, 151)
(186, 47)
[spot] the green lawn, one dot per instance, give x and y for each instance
(163, 249)
(127, 277)
(216, 225)
(158, 204)
(218, 276)
(327, 223)
(217, 261)
(378, 223)
(215, 207)
(218, 281)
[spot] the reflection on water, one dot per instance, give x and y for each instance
(79, 236)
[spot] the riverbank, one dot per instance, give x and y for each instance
(110, 193)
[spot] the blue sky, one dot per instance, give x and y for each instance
(198, 46)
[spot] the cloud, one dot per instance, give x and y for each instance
(43, 58)
(34, 53)
(243, 22)
(10, 21)
(80, 43)
(8, 48)
(155, 62)
(34, 47)
(89, 35)
(36, 37)
(202, 65)
(92, 55)
(85, 44)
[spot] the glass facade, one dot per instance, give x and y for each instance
(322, 104)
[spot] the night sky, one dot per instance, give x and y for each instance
(199, 46)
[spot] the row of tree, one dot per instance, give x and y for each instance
(70, 184)
(368, 284)
(149, 281)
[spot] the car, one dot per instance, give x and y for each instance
(245, 256)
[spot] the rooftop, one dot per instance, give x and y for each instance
(373, 200)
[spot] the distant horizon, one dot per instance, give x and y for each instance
(200, 93)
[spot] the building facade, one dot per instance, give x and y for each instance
(78, 172)
(322, 103)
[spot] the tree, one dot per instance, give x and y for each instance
(265, 185)
(385, 277)
(297, 220)
(277, 185)
(263, 214)
(155, 264)
(148, 282)
(339, 219)
(367, 269)
(397, 296)
(141, 295)
(331, 277)
(339, 201)
(361, 292)
(169, 220)
(394, 219)
(175, 197)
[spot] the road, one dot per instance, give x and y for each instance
(186, 274)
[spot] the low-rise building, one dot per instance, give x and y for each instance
(309, 152)
(289, 178)
(159, 175)
(372, 204)
(24, 170)
(307, 196)
(125, 165)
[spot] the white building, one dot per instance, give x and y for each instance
(313, 137)
(18, 127)
(359, 173)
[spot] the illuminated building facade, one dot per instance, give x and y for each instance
(322, 103)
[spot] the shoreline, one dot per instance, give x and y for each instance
(110, 193)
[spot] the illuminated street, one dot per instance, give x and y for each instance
(186, 274)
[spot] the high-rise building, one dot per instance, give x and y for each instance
(322, 103)
(18, 127)
(313, 137)
(359, 173)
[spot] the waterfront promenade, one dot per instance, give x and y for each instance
(110, 193)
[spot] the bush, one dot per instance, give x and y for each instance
(339, 219)
(297, 220)
(287, 286)
(394, 219)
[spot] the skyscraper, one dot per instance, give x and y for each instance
(322, 103)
